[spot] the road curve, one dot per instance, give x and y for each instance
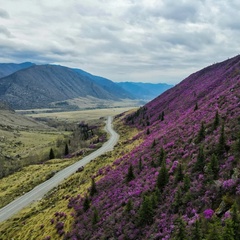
(39, 191)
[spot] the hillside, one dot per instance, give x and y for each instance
(183, 181)
(9, 68)
(38, 86)
(146, 91)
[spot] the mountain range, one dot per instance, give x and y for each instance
(28, 86)
(183, 180)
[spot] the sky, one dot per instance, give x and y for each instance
(122, 40)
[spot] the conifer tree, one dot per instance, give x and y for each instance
(201, 133)
(196, 107)
(93, 188)
(86, 203)
(179, 174)
(186, 183)
(214, 233)
(51, 154)
(145, 213)
(200, 160)
(162, 116)
(129, 205)
(228, 231)
(140, 164)
(66, 152)
(130, 175)
(214, 166)
(181, 230)
(163, 177)
(236, 221)
(197, 232)
(95, 217)
(216, 121)
(221, 142)
(162, 156)
(148, 131)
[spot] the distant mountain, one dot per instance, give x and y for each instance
(9, 68)
(146, 91)
(107, 84)
(40, 85)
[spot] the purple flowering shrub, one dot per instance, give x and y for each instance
(193, 193)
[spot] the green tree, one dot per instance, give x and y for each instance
(95, 217)
(86, 203)
(221, 142)
(214, 231)
(66, 152)
(93, 188)
(201, 133)
(179, 174)
(236, 221)
(197, 232)
(163, 177)
(129, 206)
(140, 164)
(196, 107)
(216, 121)
(51, 154)
(199, 165)
(228, 231)
(214, 166)
(186, 183)
(161, 157)
(180, 233)
(162, 116)
(145, 213)
(130, 175)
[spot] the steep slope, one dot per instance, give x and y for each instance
(183, 181)
(38, 86)
(9, 68)
(146, 91)
(108, 85)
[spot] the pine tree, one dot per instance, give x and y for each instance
(129, 206)
(140, 164)
(228, 231)
(200, 160)
(179, 174)
(186, 183)
(214, 166)
(181, 230)
(130, 175)
(154, 143)
(162, 156)
(162, 116)
(163, 177)
(177, 200)
(201, 133)
(93, 188)
(148, 131)
(95, 217)
(66, 152)
(216, 121)
(236, 221)
(51, 154)
(145, 213)
(197, 232)
(86, 203)
(196, 107)
(221, 142)
(214, 233)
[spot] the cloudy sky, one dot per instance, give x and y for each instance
(123, 40)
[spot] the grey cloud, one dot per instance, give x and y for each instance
(5, 32)
(4, 14)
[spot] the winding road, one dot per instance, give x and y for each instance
(39, 191)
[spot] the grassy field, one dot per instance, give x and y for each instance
(34, 222)
(83, 115)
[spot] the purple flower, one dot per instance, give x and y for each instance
(208, 213)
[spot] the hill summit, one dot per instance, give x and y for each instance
(183, 180)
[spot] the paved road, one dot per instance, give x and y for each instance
(39, 191)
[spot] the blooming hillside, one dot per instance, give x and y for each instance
(182, 182)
